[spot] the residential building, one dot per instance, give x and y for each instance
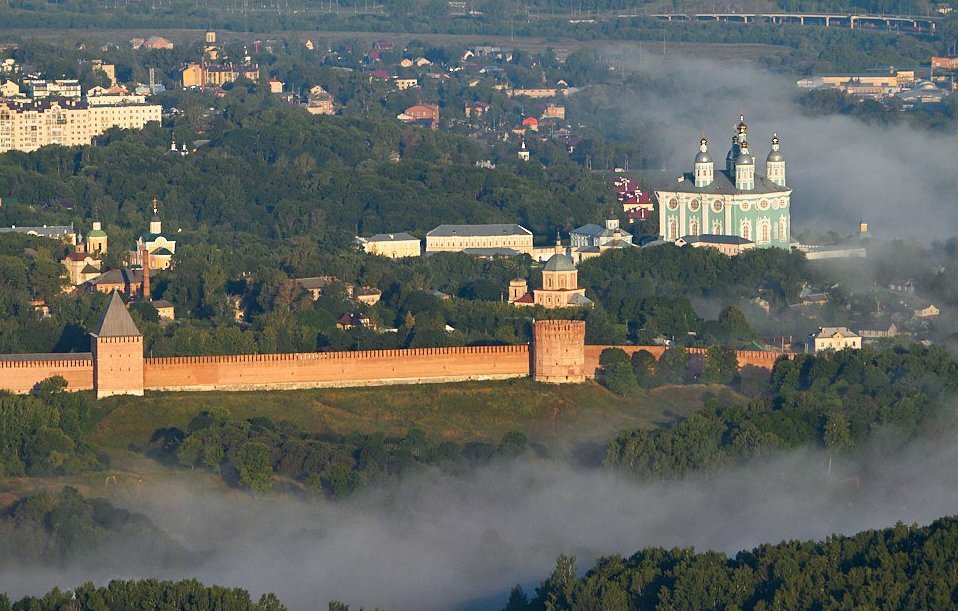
(28, 125)
(476, 109)
(60, 88)
(354, 320)
(736, 201)
(426, 115)
(560, 287)
(466, 238)
(830, 339)
(275, 85)
(945, 63)
(315, 285)
(392, 245)
(880, 333)
(726, 244)
(368, 295)
(405, 83)
(930, 311)
(554, 111)
(164, 309)
(9, 89)
(217, 74)
(320, 102)
(108, 69)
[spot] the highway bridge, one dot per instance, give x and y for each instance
(898, 23)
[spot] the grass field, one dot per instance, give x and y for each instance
(475, 411)
(578, 419)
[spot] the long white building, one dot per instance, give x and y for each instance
(28, 125)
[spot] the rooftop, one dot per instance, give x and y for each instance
(391, 237)
(498, 229)
(723, 185)
(116, 321)
(711, 238)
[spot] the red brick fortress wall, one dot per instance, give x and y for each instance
(24, 376)
(332, 369)
(746, 358)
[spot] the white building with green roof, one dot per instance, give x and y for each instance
(736, 201)
(160, 247)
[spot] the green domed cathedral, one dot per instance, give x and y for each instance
(736, 201)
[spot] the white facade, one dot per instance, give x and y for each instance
(832, 339)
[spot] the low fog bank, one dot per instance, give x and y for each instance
(438, 542)
(899, 179)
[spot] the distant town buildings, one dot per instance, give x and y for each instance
(392, 245)
(736, 201)
(502, 239)
(216, 70)
(64, 233)
(60, 88)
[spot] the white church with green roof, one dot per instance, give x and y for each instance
(159, 247)
(734, 201)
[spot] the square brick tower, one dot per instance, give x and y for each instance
(117, 353)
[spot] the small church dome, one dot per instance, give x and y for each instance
(559, 263)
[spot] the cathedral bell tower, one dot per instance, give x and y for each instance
(775, 164)
(744, 163)
(704, 166)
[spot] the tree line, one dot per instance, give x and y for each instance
(902, 567)
(249, 453)
(837, 402)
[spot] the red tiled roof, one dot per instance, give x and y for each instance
(527, 298)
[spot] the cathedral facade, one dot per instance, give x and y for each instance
(731, 201)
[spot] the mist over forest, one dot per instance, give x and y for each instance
(437, 541)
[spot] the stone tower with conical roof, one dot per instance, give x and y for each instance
(117, 353)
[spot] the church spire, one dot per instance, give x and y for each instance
(704, 170)
(775, 163)
(156, 227)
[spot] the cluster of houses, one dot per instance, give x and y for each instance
(900, 89)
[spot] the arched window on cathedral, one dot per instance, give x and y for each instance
(694, 227)
(782, 229)
(673, 230)
(746, 230)
(763, 232)
(717, 227)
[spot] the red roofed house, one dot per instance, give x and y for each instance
(380, 74)
(426, 115)
(531, 123)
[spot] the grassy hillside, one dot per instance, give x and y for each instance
(476, 411)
